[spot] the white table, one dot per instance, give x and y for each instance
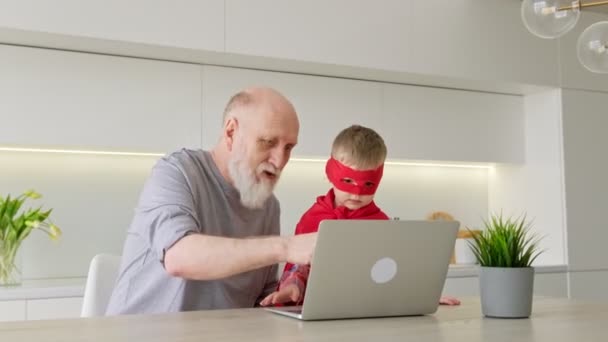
(553, 320)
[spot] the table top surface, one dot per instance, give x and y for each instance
(553, 319)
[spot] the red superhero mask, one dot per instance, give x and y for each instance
(363, 182)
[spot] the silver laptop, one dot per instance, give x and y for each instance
(376, 268)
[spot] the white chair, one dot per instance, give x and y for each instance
(103, 272)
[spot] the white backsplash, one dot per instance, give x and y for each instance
(93, 197)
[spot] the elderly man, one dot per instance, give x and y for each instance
(205, 231)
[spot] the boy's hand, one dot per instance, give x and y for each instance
(447, 300)
(288, 293)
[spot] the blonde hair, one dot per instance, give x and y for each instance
(439, 216)
(359, 147)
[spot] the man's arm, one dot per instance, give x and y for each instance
(204, 257)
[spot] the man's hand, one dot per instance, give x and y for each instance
(300, 248)
(288, 293)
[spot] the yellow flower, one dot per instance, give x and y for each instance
(54, 232)
(34, 224)
(32, 194)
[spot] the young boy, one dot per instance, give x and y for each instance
(355, 169)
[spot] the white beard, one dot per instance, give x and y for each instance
(254, 192)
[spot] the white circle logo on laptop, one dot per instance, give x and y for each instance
(384, 270)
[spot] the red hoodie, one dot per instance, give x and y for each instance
(324, 209)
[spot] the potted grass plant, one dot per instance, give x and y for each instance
(16, 224)
(505, 251)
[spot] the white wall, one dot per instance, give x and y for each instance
(192, 24)
(419, 123)
(588, 285)
(448, 124)
(472, 44)
(536, 187)
(92, 197)
(77, 100)
(461, 39)
(585, 141)
(325, 105)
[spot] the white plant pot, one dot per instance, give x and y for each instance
(506, 292)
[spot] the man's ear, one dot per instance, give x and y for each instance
(230, 128)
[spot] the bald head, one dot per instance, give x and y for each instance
(260, 129)
(253, 101)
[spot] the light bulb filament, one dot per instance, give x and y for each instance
(598, 46)
(541, 7)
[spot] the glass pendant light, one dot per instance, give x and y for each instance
(592, 47)
(553, 18)
(550, 18)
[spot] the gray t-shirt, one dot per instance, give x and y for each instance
(186, 194)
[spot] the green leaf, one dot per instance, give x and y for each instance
(16, 221)
(14, 207)
(505, 242)
(3, 206)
